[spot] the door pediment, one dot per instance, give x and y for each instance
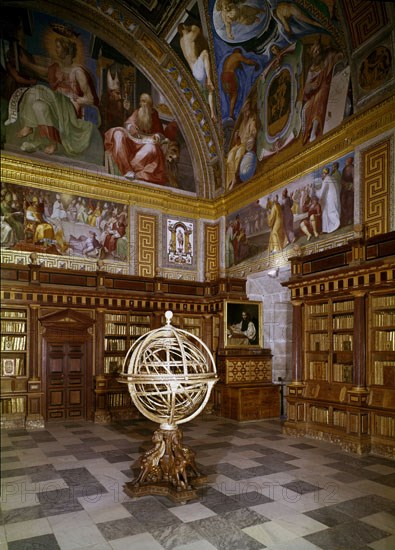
(67, 320)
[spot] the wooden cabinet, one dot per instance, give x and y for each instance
(245, 390)
(343, 387)
(14, 353)
(249, 402)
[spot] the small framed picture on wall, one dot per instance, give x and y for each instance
(243, 324)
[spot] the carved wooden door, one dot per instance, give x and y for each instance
(66, 368)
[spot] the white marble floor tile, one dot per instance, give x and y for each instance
(143, 541)
(27, 529)
(75, 531)
(384, 544)
(192, 512)
(104, 509)
(269, 533)
(382, 520)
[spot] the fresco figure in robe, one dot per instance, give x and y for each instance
(53, 115)
(136, 148)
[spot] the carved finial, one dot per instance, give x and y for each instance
(169, 316)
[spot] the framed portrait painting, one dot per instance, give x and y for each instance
(243, 324)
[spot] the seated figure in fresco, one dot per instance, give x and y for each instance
(53, 115)
(136, 148)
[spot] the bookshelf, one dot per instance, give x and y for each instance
(343, 363)
(329, 341)
(13, 360)
(383, 340)
(121, 330)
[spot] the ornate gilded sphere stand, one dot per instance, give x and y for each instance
(170, 374)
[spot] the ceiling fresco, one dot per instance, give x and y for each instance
(233, 86)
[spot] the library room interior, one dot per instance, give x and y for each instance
(197, 346)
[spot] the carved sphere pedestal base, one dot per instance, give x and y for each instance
(168, 469)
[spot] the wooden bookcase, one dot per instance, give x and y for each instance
(343, 387)
(329, 340)
(102, 313)
(122, 329)
(14, 362)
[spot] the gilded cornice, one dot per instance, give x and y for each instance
(33, 173)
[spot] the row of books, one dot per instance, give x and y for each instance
(13, 343)
(385, 426)
(384, 373)
(118, 400)
(342, 372)
(384, 319)
(13, 405)
(384, 301)
(13, 326)
(385, 340)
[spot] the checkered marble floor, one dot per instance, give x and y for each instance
(62, 487)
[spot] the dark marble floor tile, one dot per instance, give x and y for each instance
(44, 542)
(25, 444)
(244, 517)
(235, 473)
(224, 535)
(59, 501)
(23, 514)
(17, 433)
(364, 506)
(8, 459)
(73, 426)
(353, 469)
(92, 440)
(115, 456)
(45, 472)
(328, 515)
(258, 471)
(352, 535)
(301, 487)
(274, 466)
(388, 480)
(42, 436)
(60, 452)
(174, 536)
(120, 528)
(251, 498)
(345, 477)
(16, 472)
(303, 446)
(7, 449)
(151, 513)
(86, 455)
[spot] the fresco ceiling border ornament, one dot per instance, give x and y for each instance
(141, 47)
